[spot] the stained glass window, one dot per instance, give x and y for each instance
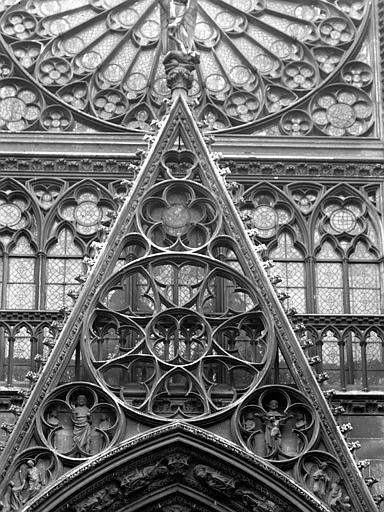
(21, 280)
(330, 356)
(64, 263)
(292, 272)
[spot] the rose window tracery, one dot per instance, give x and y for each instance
(103, 61)
(179, 340)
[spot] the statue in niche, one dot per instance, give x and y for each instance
(300, 425)
(32, 478)
(179, 18)
(274, 419)
(321, 480)
(336, 500)
(82, 423)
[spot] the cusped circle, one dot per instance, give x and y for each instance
(118, 49)
(78, 421)
(276, 423)
(181, 216)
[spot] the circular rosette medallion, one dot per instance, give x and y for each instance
(78, 421)
(276, 423)
(181, 216)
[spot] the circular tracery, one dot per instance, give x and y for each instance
(115, 48)
(156, 343)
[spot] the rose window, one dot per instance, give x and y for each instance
(104, 61)
(167, 345)
(177, 216)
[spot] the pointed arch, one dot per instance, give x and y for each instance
(65, 253)
(175, 462)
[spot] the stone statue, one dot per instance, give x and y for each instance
(320, 480)
(32, 479)
(178, 25)
(82, 424)
(273, 420)
(215, 480)
(300, 425)
(336, 500)
(178, 20)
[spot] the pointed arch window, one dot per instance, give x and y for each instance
(289, 265)
(347, 284)
(64, 263)
(21, 278)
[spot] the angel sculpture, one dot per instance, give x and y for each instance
(178, 20)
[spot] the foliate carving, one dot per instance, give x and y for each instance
(116, 63)
(34, 469)
(277, 424)
(78, 422)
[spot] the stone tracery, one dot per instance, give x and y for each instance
(99, 65)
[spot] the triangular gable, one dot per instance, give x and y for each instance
(187, 330)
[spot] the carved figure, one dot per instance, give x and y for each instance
(81, 418)
(52, 417)
(178, 22)
(105, 422)
(273, 419)
(336, 500)
(13, 497)
(256, 503)
(142, 477)
(300, 425)
(320, 480)
(249, 421)
(215, 480)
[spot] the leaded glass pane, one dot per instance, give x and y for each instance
(61, 272)
(375, 360)
(20, 292)
(329, 285)
(354, 360)
(65, 245)
(327, 252)
(293, 279)
(364, 288)
(21, 357)
(330, 356)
